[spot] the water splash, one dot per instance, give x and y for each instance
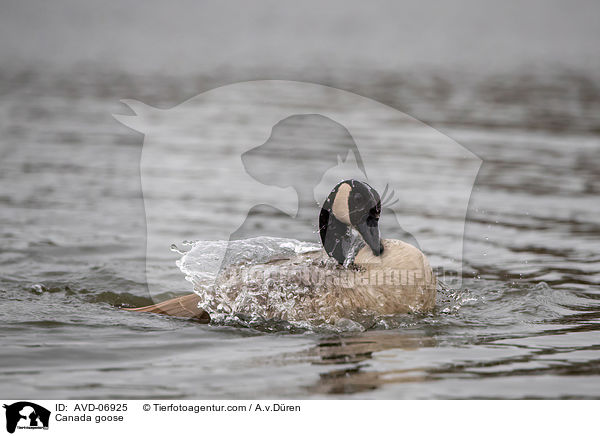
(205, 259)
(277, 284)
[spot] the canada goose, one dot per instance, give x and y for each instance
(354, 275)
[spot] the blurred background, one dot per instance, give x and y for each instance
(517, 83)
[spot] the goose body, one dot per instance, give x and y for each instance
(310, 287)
(345, 279)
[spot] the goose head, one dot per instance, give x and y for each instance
(351, 205)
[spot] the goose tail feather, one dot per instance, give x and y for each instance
(184, 307)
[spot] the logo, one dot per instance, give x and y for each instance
(256, 159)
(26, 415)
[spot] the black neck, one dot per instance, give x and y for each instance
(336, 236)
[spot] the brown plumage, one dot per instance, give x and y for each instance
(185, 307)
(310, 287)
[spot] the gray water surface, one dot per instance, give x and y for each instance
(525, 324)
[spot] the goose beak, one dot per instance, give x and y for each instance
(370, 234)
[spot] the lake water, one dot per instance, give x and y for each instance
(525, 322)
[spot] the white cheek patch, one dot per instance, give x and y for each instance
(340, 207)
